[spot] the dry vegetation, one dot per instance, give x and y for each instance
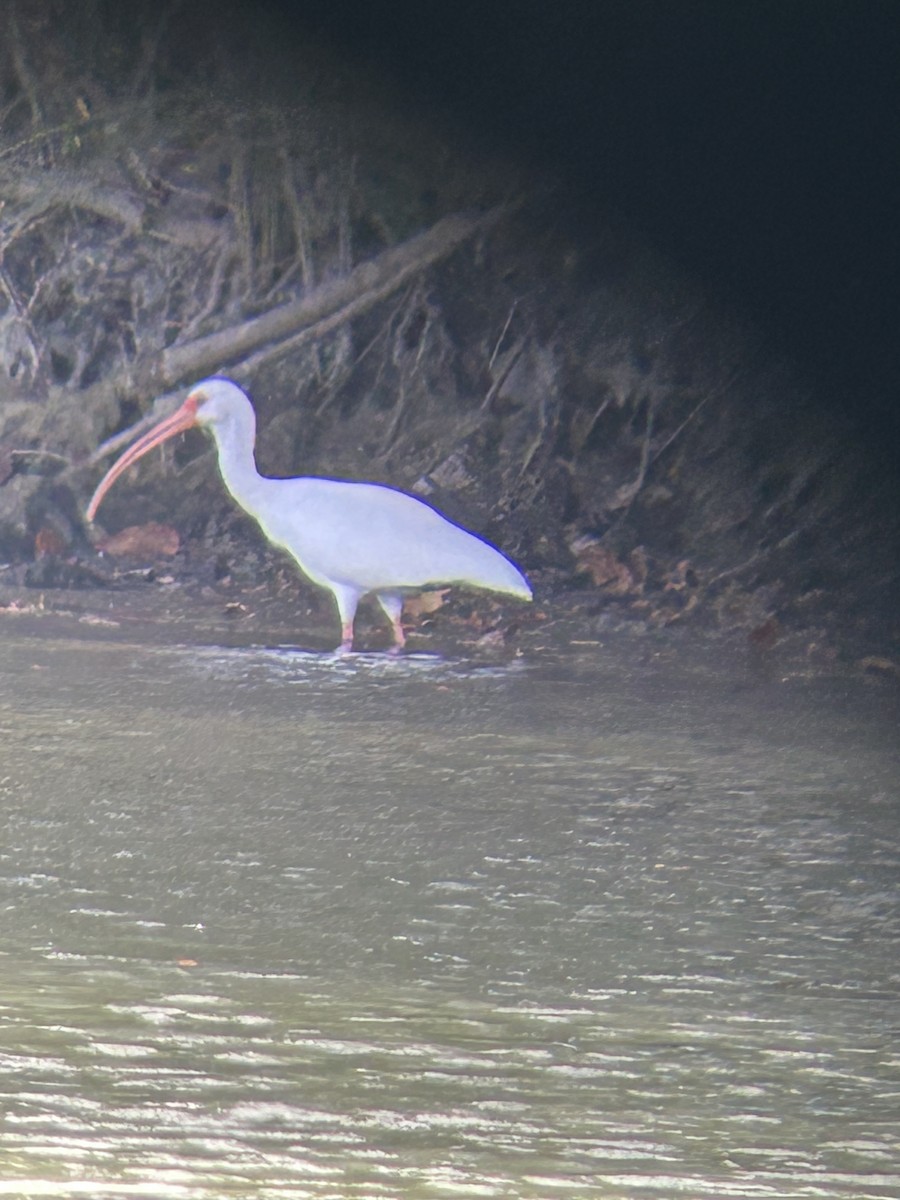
(176, 200)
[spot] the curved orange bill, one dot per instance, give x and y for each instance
(184, 418)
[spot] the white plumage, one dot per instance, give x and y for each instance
(351, 538)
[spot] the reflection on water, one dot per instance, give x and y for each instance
(287, 925)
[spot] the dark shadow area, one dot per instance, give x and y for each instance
(750, 143)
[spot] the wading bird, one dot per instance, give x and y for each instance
(350, 538)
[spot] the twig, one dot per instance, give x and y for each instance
(150, 46)
(396, 418)
(74, 190)
(506, 326)
(781, 544)
(23, 71)
(716, 392)
(62, 459)
(239, 203)
(40, 135)
(598, 413)
(510, 359)
(301, 259)
(383, 331)
(731, 571)
(645, 449)
(637, 483)
(214, 292)
(539, 438)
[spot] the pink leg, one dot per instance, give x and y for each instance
(392, 605)
(346, 600)
(346, 645)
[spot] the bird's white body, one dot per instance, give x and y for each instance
(351, 538)
(369, 537)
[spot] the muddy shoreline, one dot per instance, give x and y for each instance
(154, 606)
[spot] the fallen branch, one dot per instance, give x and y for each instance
(74, 190)
(363, 287)
(313, 315)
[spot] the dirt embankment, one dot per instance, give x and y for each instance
(402, 309)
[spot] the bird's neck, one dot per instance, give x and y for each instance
(237, 464)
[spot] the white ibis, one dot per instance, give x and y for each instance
(351, 538)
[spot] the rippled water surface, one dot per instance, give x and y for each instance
(280, 925)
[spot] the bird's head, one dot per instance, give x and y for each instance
(217, 404)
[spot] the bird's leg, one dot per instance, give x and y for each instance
(346, 600)
(392, 605)
(346, 646)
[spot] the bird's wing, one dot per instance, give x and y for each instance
(373, 538)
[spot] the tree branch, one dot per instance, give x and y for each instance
(354, 293)
(313, 315)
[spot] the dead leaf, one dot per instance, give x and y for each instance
(876, 665)
(637, 563)
(667, 616)
(49, 541)
(424, 602)
(606, 571)
(494, 637)
(142, 541)
(680, 577)
(764, 636)
(623, 496)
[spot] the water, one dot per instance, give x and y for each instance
(598, 925)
